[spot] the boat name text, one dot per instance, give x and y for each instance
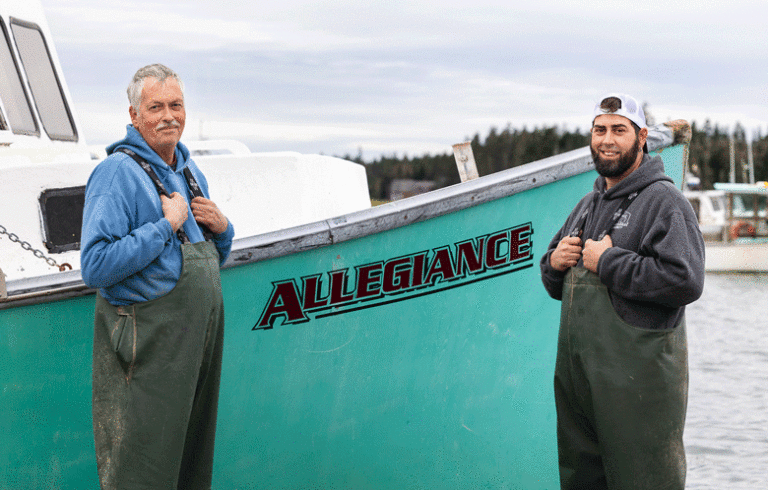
(400, 278)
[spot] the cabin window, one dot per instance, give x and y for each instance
(718, 203)
(14, 99)
(696, 205)
(45, 85)
(751, 205)
(62, 211)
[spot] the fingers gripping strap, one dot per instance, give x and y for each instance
(194, 188)
(155, 180)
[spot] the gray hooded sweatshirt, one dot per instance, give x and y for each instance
(656, 264)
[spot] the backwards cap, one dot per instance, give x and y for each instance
(627, 107)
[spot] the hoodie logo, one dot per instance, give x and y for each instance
(623, 221)
(621, 216)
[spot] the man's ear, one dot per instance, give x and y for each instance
(134, 115)
(642, 135)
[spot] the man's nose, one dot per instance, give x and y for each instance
(608, 137)
(167, 114)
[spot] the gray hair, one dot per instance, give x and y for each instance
(158, 72)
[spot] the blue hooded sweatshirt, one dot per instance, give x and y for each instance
(128, 249)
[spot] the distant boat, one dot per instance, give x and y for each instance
(734, 221)
(410, 345)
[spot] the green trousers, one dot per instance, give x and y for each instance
(621, 394)
(156, 373)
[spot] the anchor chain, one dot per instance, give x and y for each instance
(37, 253)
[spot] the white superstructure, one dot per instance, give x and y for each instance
(45, 162)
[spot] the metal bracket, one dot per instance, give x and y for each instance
(3, 291)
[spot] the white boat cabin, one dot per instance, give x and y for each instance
(732, 211)
(45, 162)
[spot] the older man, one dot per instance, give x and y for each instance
(159, 320)
(625, 264)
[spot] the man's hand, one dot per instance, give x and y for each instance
(207, 213)
(567, 253)
(175, 210)
(593, 250)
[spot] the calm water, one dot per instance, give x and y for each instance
(726, 432)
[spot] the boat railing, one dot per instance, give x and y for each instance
(370, 221)
(438, 202)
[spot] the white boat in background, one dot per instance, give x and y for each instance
(734, 221)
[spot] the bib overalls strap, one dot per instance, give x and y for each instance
(192, 185)
(621, 394)
(156, 373)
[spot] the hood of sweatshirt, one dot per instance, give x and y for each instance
(134, 141)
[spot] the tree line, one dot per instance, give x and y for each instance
(709, 156)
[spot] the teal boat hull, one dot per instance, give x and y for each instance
(414, 356)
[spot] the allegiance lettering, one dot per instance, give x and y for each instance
(463, 261)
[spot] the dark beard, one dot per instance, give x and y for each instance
(609, 169)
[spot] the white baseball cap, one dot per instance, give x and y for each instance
(628, 107)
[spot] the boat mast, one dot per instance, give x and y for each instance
(732, 154)
(750, 161)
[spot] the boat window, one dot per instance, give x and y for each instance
(742, 206)
(757, 205)
(696, 205)
(718, 203)
(62, 211)
(46, 89)
(15, 102)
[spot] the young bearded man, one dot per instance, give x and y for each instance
(628, 259)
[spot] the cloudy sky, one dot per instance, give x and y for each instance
(412, 77)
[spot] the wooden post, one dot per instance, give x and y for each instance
(465, 161)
